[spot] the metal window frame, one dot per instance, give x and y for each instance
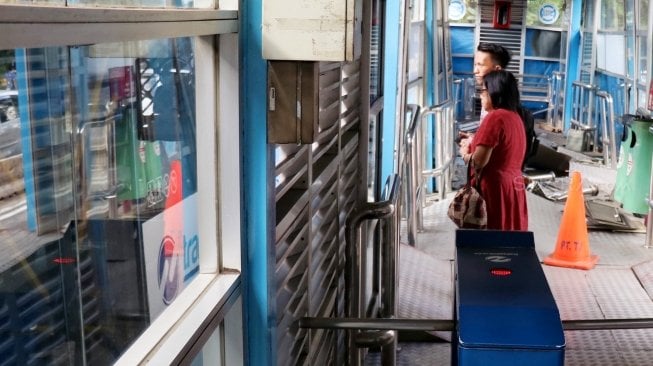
(42, 26)
(181, 329)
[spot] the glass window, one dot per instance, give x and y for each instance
(612, 15)
(416, 10)
(542, 43)
(211, 349)
(99, 199)
(607, 46)
(30, 2)
(414, 94)
(643, 14)
(642, 66)
(120, 3)
(587, 18)
(416, 51)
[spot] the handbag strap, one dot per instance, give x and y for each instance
(469, 176)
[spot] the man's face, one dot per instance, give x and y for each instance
(483, 64)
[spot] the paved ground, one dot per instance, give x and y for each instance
(620, 286)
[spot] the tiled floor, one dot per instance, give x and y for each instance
(619, 286)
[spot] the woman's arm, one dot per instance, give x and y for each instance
(481, 156)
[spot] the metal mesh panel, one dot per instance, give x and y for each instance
(511, 39)
(315, 189)
(586, 66)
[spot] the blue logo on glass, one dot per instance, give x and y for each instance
(168, 269)
(174, 269)
(548, 14)
(457, 9)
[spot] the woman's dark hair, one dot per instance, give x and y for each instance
(502, 89)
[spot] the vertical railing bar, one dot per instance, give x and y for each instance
(649, 222)
(412, 179)
(607, 125)
(415, 173)
(354, 250)
(558, 112)
(420, 154)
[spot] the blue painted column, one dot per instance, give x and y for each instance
(429, 51)
(390, 84)
(432, 46)
(258, 347)
(573, 58)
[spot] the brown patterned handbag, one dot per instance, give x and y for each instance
(467, 209)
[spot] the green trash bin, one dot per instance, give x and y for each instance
(634, 172)
(622, 162)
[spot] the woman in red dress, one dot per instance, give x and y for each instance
(497, 152)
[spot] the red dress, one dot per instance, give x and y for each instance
(502, 185)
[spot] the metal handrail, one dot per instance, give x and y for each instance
(411, 176)
(449, 325)
(555, 119)
(649, 222)
(606, 109)
(582, 108)
(537, 88)
(415, 174)
(387, 210)
(457, 92)
(414, 110)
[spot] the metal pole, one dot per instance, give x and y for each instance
(377, 324)
(558, 101)
(411, 172)
(606, 324)
(449, 325)
(607, 125)
(419, 159)
(355, 273)
(390, 252)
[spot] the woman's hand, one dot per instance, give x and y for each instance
(464, 146)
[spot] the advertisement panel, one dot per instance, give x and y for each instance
(171, 251)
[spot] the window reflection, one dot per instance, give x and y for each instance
(613, 15)
(97, 196)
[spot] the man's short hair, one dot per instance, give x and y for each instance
(499, 54)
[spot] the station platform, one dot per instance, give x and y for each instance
(620, 286)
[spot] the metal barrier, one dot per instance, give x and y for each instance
(608, 140)
(449, 325)
(388, 211)
(649, 222)
(464, 98)
(582, 109)
(558, 87)
(539, 89)
(458, 98)
(411, 176)
(444, 157)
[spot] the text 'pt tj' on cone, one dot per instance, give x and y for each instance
(572, 247)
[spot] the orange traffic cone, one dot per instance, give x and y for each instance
(572, 247)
